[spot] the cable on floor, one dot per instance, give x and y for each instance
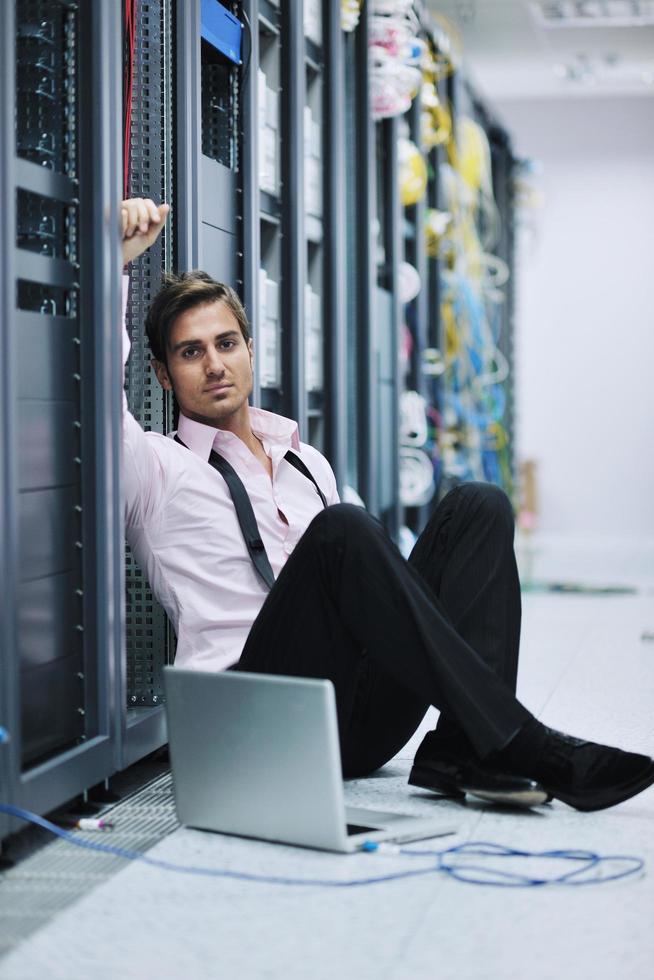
(590, 869)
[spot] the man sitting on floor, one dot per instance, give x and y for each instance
(321, 590)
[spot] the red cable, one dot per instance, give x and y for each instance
(130, 73)
(130, 31)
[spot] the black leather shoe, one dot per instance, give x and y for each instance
(586, 775)
(441, 776)
(448, 766)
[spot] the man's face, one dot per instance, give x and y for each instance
(209, 366)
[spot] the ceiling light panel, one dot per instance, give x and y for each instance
(593, 13)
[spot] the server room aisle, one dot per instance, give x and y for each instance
(588, 667)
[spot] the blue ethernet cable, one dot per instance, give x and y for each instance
(587, 862)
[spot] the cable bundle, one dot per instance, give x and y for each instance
(395, 53)
(436, 223)
(475, 442)
(350, 14)
(435, 118)
(412, 172)
(474, 156)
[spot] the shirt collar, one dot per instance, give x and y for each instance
(273, 430)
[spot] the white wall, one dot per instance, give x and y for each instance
(585, 313)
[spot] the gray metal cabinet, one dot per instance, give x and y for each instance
(61, 541)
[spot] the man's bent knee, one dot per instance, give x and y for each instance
(341, 521)
(489, 501)
(343, 515)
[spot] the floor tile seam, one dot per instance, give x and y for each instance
(411, 933)
(440, 883)
(562, 674)
(586, 640)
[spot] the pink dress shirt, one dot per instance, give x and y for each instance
(183, 530)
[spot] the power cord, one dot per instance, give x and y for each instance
(588, 870)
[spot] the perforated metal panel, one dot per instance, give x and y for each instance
(48, 404)
(149, 643)
(55, 876)
(219, 108)
(220, 102)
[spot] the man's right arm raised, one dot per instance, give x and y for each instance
(144, 479)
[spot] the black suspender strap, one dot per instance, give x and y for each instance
(299, 465)
(244, 512)
(246, 517)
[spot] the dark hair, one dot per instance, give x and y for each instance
(180, 293)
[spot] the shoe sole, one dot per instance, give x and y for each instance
(604, 801)
(425, 778)
(521, 798)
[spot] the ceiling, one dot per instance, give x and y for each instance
(597, 48)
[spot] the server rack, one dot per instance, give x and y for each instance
(309, 277)
(61, 543)
(361, 283)
(387, 381)
(285, 212)
(315, 218)
(452, 87)
(149, 643)
(504, 170)
(335, 309)
(219, 210)
(292, 269)
(184, 148)
(423, 313)
(8, 462)
(435, 333)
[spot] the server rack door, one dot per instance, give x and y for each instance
(336, 354)
(316, 225)
(361, 241)
(8, 456)
(264, 197)
(59, 449)
(220, 160)
(387, 381)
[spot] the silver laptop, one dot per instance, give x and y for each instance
(258, 756)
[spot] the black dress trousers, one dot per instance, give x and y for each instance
(394, 636)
